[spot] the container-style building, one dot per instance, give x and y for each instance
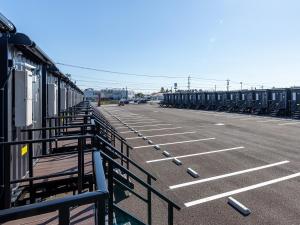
(222, 100)
(279, 103)
(295, 102)
(247, 101)
(32, 89)
(261, 101)
(234, 100)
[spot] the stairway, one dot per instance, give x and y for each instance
(296, 114)
(275, 112)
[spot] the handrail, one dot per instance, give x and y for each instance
(115, 133)
(99, 174)
(46, 140)
(57, 127)
(163, 197)
(111, 166)
(63, 117)
(127, 158)
(62, 205)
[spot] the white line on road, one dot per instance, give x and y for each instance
(249, 118)
(195, 154)
(166, 128)
(155, 125)
(162, 135)
(227, 175)
(174, 143)
(266, 121)
(290, 123)
(141, 122)
(229, 193)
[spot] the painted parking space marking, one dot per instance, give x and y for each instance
(157, 129)
(175, 143)
(249, 118)
(195, 154)
(228, 175)
(237, 191)
(266, 121)
(162, 135)
(141, 122)
(155, 125)
(289, 123)
(219, 124)
(146, 125)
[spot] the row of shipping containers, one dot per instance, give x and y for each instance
(274, 102)
(32, 89)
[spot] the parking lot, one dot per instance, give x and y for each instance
(253, 159)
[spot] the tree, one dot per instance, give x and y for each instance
(162, 90)
(139, 95)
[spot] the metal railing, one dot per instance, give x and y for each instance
(7, 147)
(63, 205)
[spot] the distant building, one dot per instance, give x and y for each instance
(90, 94)
(113, 94)
(157, 96)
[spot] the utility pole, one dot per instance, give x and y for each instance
(189, 82)
(215, 87)
(241, 85)
(228, 84)
(126, 93)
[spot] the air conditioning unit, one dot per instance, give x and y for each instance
(23, 98)
(63, 98)
(52, 99)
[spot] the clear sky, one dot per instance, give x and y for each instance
(255, 41)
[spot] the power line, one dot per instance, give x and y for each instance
(195, 77)
(133, 74)
(116, 72)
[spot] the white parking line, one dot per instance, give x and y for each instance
(166, 128)
(249, 118)
(151, 125)
(266, 121)
(195, 154)
(174, 143)
(229, 193)
(227, 175)
(162, 135)
(141, 122)
(289, 123)
(155, 125)
(129, 121)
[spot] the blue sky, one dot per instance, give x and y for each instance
(256, 42)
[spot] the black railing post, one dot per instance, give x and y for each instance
(127, 155)
(44, 107)
(170, 214)
(149, 201)
(30, 166)
(80, 174)
(122, 151)
(111, 193)
(64, 216)
(50, 133)
(100, 213)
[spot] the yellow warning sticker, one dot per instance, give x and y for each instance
(24, 150)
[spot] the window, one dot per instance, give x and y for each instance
(243, 97)
(231, 97)
(257, 96)
(273, 96)
(294, 96)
